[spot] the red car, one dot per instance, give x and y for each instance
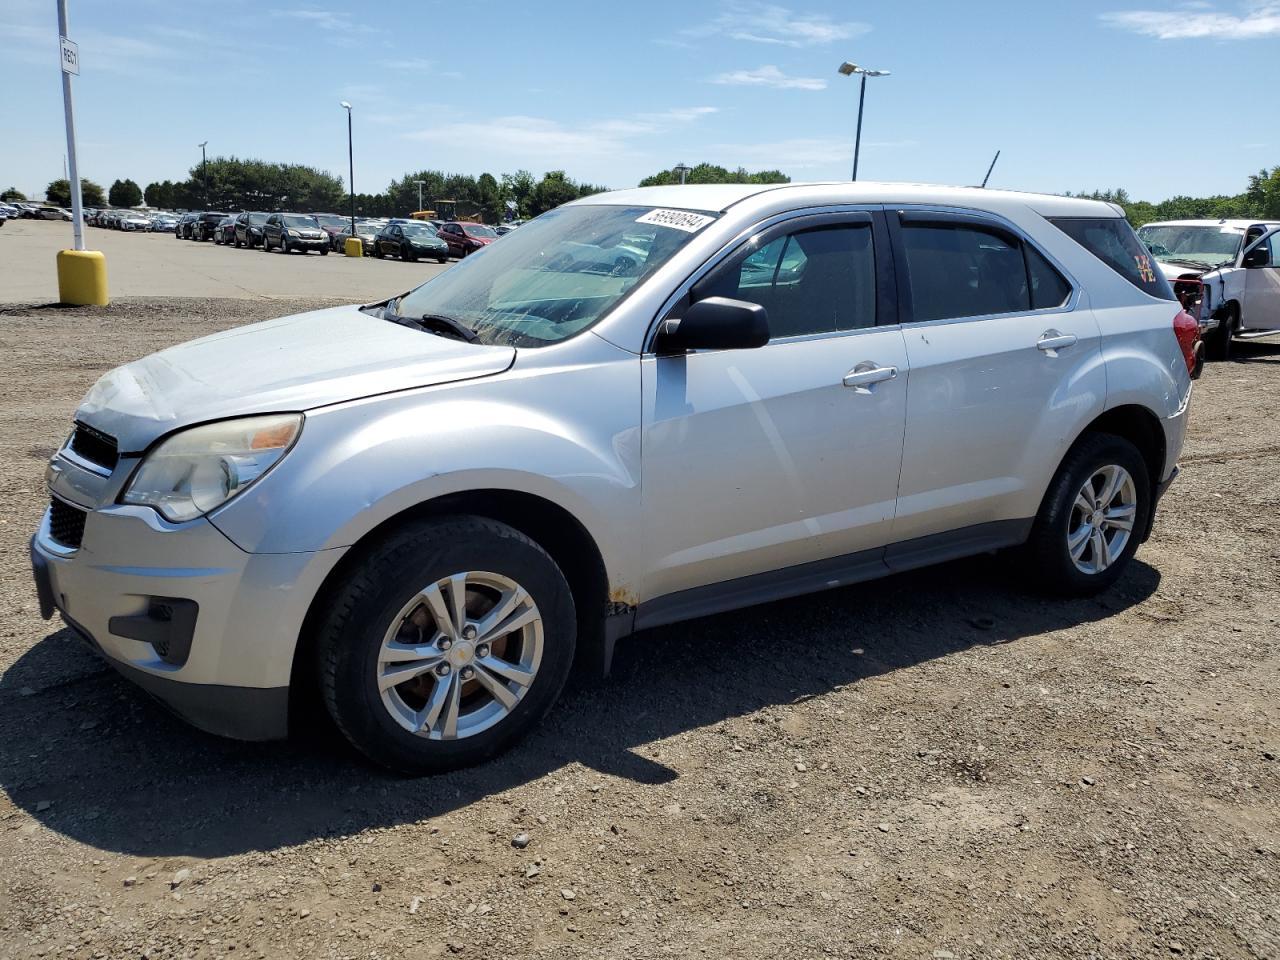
(465, 238)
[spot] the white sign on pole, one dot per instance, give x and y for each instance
(70, 57)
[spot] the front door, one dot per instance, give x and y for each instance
(1262, 285)
(759, 460)
(1005, 367)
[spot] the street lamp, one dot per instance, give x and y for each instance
(419, 183)
(849, 70)
(204, 172)
(351, 162)
(683, 170)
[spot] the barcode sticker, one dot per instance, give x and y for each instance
(676, 220)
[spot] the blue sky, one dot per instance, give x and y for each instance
(1158, 97)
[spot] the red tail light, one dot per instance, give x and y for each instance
(1187, 330)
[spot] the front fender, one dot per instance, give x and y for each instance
(569, 435)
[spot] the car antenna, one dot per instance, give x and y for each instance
(989, 169)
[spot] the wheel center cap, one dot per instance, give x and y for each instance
(461, 653)
(1097, 518)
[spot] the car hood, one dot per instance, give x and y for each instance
(293, 363)
(1173, 271)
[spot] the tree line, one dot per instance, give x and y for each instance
(230, 183)
(1259, 201)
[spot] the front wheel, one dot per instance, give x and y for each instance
(1092, 517)
(1217, 343)
(447, 644)
(324, 251)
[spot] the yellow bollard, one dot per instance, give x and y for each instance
(82, 278)
(354, 247)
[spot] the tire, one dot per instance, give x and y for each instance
(409, 255)
(1048, 552)
(1217, 343)
(385, 591)
(442, 259)
(284, 245)
(324, 251)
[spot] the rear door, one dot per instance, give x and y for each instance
(1005, 364)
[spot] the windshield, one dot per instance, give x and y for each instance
(300, 222)
(478, 230)
(332, 220)
(257, 219)
(1212, 245)
(557, 275)
(418, 230)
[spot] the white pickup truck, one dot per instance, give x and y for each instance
(1227, 272)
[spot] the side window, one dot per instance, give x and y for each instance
(963, 271)
(1113, 241)
(1049, 288)
(813, 281)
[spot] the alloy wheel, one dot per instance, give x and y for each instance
(1102, 519)
(460, 655)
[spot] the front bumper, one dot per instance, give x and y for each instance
(235, 679)
(307, 243)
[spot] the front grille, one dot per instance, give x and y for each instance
(66, 523)
(95, 446)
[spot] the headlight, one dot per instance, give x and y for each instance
(201, 468)
(293, 233)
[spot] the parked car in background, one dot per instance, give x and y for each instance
(332, 224)
(410, 240)
(419, 511)
(225, 231)
(366, 231)
(183, 230)
(52, 213)
(466, 238)
(249, 228)
(294, 231)
(1226, 272)
(163, 223)
(8, 211)
(132, 221)
(205, 225)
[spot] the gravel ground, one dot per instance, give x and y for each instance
(933, 766)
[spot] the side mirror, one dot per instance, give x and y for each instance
(1259, 256)
(716, 323)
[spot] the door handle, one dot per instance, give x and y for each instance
(1051, 341)
(867, 374)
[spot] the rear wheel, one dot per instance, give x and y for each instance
(1092, 517)
(447, 644)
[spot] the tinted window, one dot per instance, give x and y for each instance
(1113, 241)
(1049, 288)
(961, 271)
(813, 281)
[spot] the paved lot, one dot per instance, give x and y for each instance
(937, 765)
(160, 265)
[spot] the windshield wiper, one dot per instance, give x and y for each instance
(1187, 260)
(433, 323)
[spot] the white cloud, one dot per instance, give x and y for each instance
(1200, 22)
(520, 136)
(772, 24)
(769, 76)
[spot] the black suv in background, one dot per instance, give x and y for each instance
(294, 231)
(205, 224)
(249, 229)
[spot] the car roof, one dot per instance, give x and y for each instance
(719, 197)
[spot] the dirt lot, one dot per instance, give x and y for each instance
(933, 766)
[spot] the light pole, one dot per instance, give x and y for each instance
(849, 70)
(419, 183)
(683, 170)
(351, 166)
(204, 172)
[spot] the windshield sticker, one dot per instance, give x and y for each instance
(1144, 268)
(676, 220)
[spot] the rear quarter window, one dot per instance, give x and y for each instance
(1113, 241)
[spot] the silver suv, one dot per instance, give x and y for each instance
(641, 407)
